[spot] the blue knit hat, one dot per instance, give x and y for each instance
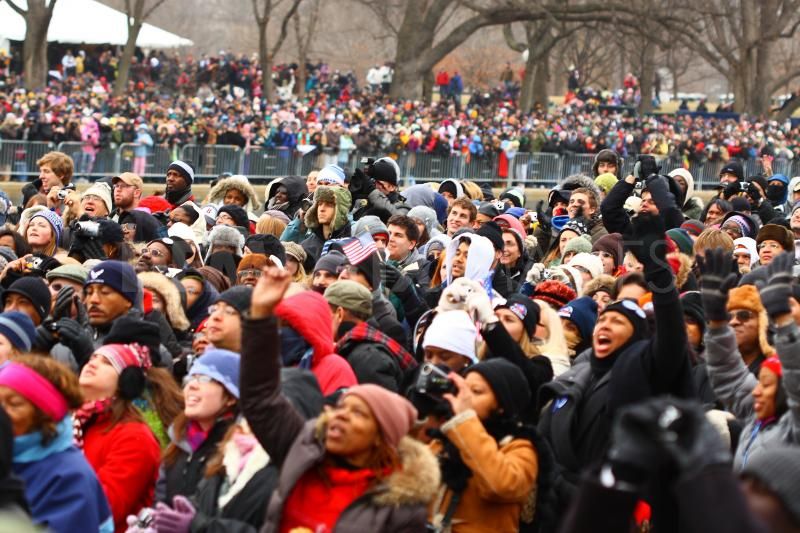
(583, 313)
(118, 275)
(331, 175)
(54, 220)
(18, 328)
(220, 365)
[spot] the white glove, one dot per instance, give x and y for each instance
(535, 273)
(530, 244)
(454, 296)
(480, 307)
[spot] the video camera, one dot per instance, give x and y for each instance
(433, 381)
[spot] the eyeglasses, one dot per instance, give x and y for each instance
(122, 185)
(249, 273)
(769, 246)
(227, 311)
(192, 291)
(155, 252)
(742, 315)
(196, 378)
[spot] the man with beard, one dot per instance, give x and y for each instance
(137, 225)
(180, 176)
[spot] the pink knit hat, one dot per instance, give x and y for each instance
(395, 415)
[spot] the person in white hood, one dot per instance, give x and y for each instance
(746, 253)
(692, 205)
(471, 256)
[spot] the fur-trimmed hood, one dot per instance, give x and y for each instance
(577, 181)
(340, 197)
(602, 282)
(238, 182)
(414, 483)
(174, 312)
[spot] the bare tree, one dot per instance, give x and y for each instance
(304, 32)
(135, 14)
(34, 51)
(266, 55)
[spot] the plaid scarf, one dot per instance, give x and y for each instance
(365, 332)
(87, 414)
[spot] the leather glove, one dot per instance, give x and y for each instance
(634, 454)
(360, 185)
(44, 340)
(542, 217)
(63, 305)
(73, 335)
(731, 190)
(394, 280)
(776, 292)
(717, 278)
(658, 187)
(176, 519)
(646, 241)
(480, 307)
(647, 166)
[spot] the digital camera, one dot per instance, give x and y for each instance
(433, 381)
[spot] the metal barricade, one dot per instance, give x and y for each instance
(577, 164)
(90, 162)
(211, 160)
(18, 158)
(146, 161)
(535, 170)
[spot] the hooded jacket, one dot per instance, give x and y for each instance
(734, 383)
(174, 313)
(479, 259)
(199, 309)
(295, 188)
(607, 154)
(61, 489)
(238, 182)
(398, 503)
(692, 205)
(340, 227)
(309, 315)
(459, 188)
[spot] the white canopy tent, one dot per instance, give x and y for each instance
(89, 22)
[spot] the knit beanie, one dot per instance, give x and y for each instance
(237, 297)
(591, 263)
(610, 244)
(280, 215)
(55, 222)
(516, 196)
(508, 384)
(372, 225)
(524, 309)
(606, 182)
(266, 245)
(102, 191)
(683, 240)
(453, 331)
(220, 365)
(115, 274)
(577, 245)
(693, 308)
(578, 225)
(331, 262)
(778, 233)
(184, 169)
(237, 213)
(122, 356)
(34, 289)
(331, 175)
(735, 168)
(693, 227)
(746, 224)
(509, 222)
(583, 313)
(385, 169)
(635, 315)
(492, 231)
(74, 273)
(778, 468)
(18, 328)
(555, 293)
(128, 329)
(394, 414)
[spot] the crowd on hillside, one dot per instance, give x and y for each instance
(338, 354)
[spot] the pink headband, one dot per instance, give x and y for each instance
(121, 356)
(35, 389)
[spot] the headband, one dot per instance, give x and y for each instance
(774, 364)
(36, 389)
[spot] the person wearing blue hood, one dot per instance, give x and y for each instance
(778, 193)
(578, 318)
(624, 365)
(199, 295)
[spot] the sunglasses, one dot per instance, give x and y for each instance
(743, 315)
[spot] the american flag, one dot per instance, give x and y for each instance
(359, 248)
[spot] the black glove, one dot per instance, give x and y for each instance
(718, 276)
(360, 185)
(646, 241)
(634, 454)
(543, 218)
(44, 340)
(63, 305)
(731, 190)
(754, 195)
(776, 292)
(645, 167)
(658, 188)
(72, 335)
(394, 280)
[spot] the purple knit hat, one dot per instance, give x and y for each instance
(54, 220)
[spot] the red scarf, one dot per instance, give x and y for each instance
(87, 414)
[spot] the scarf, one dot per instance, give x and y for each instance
(86, 415)
(177, 197)
(196, 435)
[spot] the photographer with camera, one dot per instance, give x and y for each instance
(661, 195)
(375, 188)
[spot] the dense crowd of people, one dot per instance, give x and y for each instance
(338, 354)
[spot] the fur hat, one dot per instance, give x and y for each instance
(579, 181)
(238, 182)
(226, 236)
(157, 282)
(747, 297)
(778, 233)
(602, 283)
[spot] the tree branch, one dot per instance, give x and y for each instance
(153, 8)
(284, 27)
(16, 8)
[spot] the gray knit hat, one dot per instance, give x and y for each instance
(779, 469)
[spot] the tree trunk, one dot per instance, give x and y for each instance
(265, 61)
(123, 72)
(427, 87)
(541, 80)
(526, 88)
(34, 53)
(407, 81)
(647, 77)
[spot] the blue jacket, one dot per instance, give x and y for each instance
(61, 488)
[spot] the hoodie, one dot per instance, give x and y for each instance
(296, 189)
(479, 258)
(340, 228)
(420, 195)
(692, 206)
(309, 315)
(450, 184)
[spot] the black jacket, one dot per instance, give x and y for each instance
(616, 220)
(372, 363)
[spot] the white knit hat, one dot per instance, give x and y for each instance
(592, 263)
(453, 331)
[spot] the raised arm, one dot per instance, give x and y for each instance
(273, 419)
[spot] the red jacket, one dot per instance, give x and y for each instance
(126, 458)
(308, 314)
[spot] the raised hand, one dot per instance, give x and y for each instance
(269, 291)
(718, 277)
(776, 292)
